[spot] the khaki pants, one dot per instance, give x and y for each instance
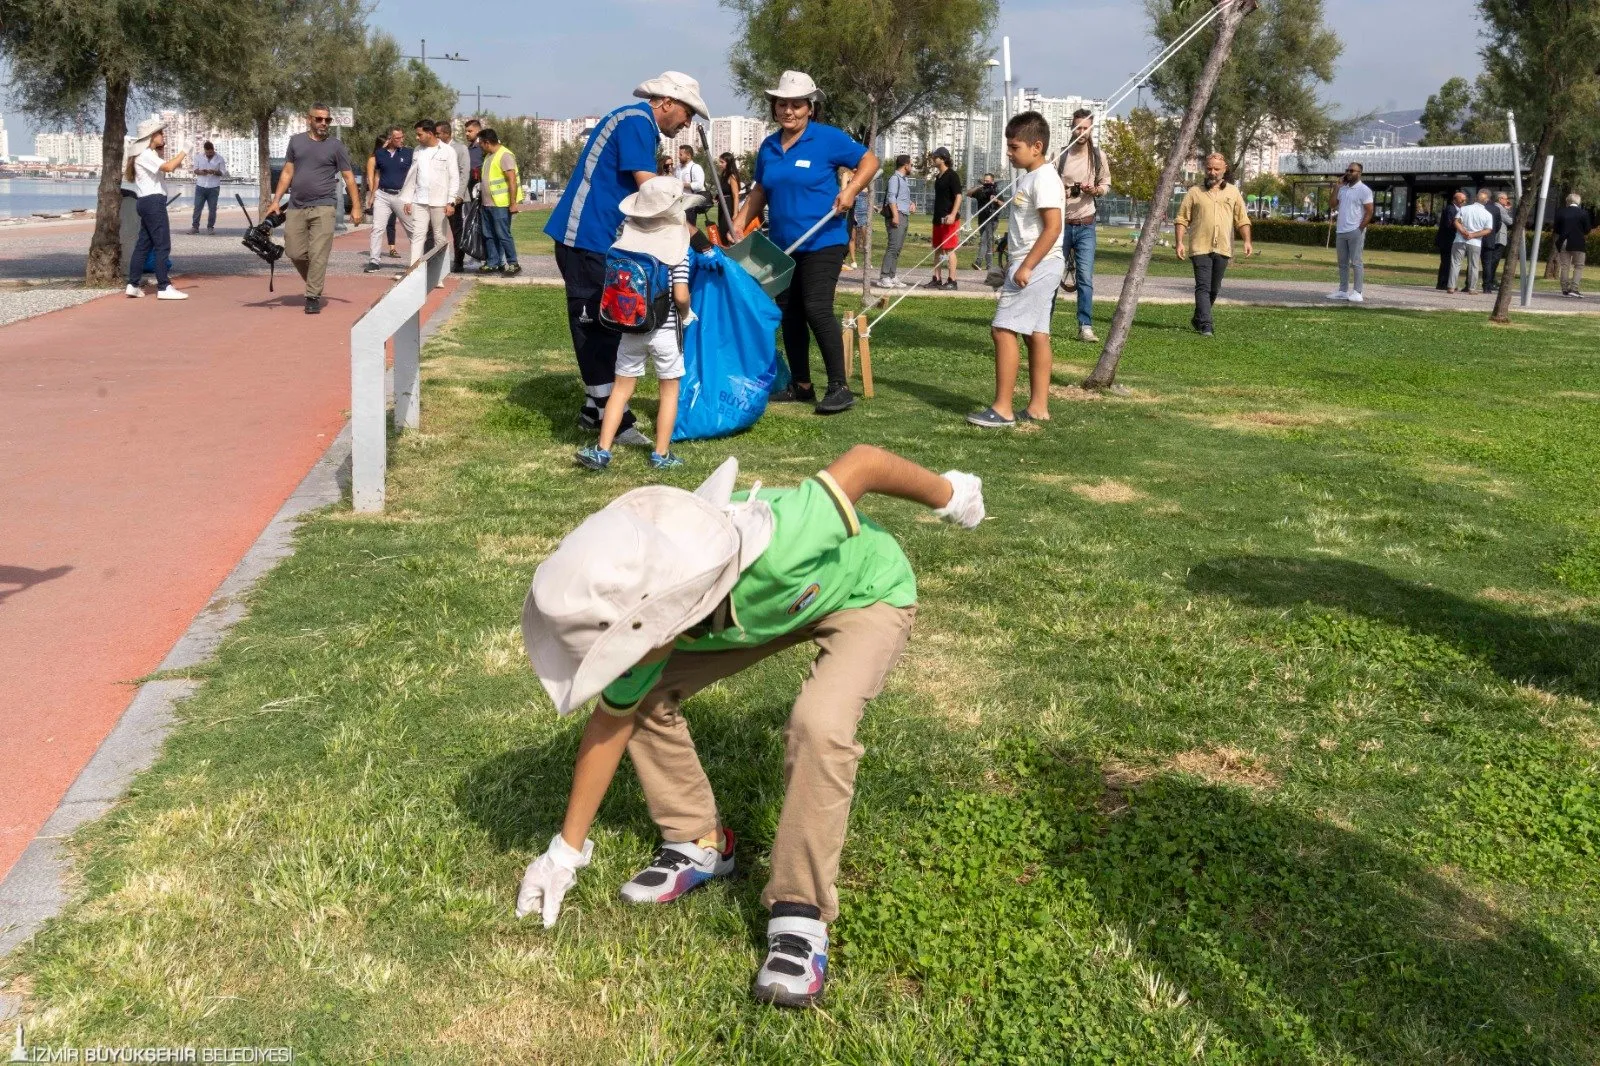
(857, 649)
(1571, 266)
(421, 218)
(1473, 254)
(307, 240)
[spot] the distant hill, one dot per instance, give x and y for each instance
(1391, 129)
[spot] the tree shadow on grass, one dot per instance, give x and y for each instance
(1559, 652)
(1298, 937)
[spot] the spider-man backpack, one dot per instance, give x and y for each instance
(637, 292)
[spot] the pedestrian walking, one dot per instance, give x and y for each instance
(663, 593)
(946, 219)
(312, 167)
(428, 196)
(1353, 204)
(692, 177)
(1571, 244)
(501, 195)
(897, 208)
(1494, 245)
(985, 197)
(386, 176)
(463, 179)
(209, 170)
(1445, 239)
(1473, 224)
(144, 169)
(1086, 175)
(1207, 218)
(795, 179)
(618, 158)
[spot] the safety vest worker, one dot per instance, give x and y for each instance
(500, 191)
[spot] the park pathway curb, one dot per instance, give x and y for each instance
(38, 885)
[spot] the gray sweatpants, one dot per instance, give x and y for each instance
(1351, 246)
(897, 241)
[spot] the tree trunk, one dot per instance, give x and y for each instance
(264, 159)
(1105, 371)
(1519, 226)
(866, 244)
(105, 266)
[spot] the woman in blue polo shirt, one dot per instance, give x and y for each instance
(795, 180)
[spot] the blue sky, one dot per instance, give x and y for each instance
(563, 59)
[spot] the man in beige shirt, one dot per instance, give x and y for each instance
(1085, 175)
(1208, 216)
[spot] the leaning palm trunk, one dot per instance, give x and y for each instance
(1105, 371)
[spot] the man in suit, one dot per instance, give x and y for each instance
(1445, 239)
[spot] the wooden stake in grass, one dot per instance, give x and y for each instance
(849, 328)
(864, 332)
(1105, 371)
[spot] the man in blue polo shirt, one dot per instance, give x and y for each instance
(389, 167)
(619, 157)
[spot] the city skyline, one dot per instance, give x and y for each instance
(1380, 69)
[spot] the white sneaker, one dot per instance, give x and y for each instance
(678, 868)
(1338, 294)
(134, 291)
(1086, 333)
(1356, 298)
(170, 293)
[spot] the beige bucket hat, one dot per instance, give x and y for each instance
(632, 577)
(675, 85)
(796, 85)
(656, 220)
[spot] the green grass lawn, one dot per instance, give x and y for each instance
(1272, 262)
(1257, 726)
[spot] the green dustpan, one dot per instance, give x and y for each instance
(770, 265)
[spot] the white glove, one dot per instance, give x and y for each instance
(965, 508)
(691, 319)
(550, 877)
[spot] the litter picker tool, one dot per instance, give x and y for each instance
(724, 216)
(771, 266)
(258, 238)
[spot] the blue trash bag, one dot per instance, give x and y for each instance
(150, 262)
(730, 354)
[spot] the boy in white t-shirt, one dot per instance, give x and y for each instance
(1028, 297)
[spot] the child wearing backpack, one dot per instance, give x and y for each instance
(646, 299)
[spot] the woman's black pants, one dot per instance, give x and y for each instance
(808, 309)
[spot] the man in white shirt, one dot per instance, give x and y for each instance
(693, 178)
(430, 190)
(209, 170)
(1473, 224)
(1354, 207)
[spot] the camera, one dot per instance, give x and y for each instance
(258, 238)
(1077, 188)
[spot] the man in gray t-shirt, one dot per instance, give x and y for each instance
(311, 171)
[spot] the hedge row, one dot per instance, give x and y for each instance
(1380, 238)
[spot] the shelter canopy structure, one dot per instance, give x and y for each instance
(1407, 174)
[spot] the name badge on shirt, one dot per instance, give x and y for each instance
(802, 162)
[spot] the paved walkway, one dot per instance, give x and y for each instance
(145, 445)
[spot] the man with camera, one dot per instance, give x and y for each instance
(1085, 175)
(312, 168)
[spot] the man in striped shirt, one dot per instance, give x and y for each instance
(618, 159)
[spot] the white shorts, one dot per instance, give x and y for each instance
(1027, 310)
(660, 347)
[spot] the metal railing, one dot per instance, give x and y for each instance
(397, 315)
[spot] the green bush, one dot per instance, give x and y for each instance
(1315, 234)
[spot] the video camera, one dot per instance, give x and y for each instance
(258, 238)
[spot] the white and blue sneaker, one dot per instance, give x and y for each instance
(679, 868)
(796, 967)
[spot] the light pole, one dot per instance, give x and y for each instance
(453, 57)
(480, 94)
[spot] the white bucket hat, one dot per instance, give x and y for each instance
(675, 85)
(656, 221)
(632, 577)
(796, 85)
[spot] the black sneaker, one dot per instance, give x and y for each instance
(372, 266)
(793, 394)
(837, 398)
(511, 270)
(934, 284)
(313, 305)
(487, 269)
(951, 284)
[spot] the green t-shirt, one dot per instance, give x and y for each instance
(823, 558)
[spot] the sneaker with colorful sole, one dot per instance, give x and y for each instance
(679, 868)
(796, 967)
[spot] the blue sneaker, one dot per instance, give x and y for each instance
(664, 462)
(593, 458)
(796, 967)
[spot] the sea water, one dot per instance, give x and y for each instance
(21, 197)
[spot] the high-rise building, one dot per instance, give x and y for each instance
(1058, 110)
(74, 149)
(917, 135)
(5, 140)
(738, 134)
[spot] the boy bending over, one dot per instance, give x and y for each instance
(1033, 240)
(664, 592)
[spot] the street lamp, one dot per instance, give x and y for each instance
(453, 57)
